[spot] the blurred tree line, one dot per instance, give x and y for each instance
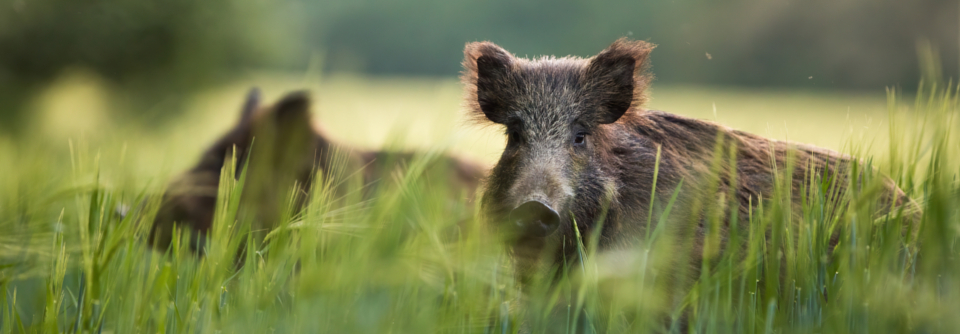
(147, 50)
(848, 44)
(155, 48)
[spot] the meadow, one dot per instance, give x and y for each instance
(398, 263)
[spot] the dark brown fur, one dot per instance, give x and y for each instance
(287, 151)
(545, 104)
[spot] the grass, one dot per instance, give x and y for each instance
(398, 262)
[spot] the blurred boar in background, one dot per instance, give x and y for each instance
(582, 151)
(281, 149)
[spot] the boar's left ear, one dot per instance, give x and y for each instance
(250, 105)
(615, 79)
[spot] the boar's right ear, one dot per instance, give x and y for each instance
(250, 105)
(486, 72)
(615, 79)
(291, 117)
(293, 110)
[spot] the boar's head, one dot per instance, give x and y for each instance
(557, 114)
(281, 146)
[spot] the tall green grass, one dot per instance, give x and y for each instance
(410, 260)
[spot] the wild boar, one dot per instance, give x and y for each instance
(281, 149)
(581, 149)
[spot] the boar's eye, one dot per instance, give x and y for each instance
(580, 139)
(513, 137)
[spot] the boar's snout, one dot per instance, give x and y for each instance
(535, 219)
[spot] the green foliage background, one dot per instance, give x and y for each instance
(87, 124)
(155, 51)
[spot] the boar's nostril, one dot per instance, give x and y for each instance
(535, 219)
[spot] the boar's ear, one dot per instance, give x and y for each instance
(286, 129)
(250, 105)
(286, 121)
(615, 79)
(486, 72)
(292, 112)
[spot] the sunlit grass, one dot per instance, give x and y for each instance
(426, 112)
(404, 262)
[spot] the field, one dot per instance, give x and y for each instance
(392, 265)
